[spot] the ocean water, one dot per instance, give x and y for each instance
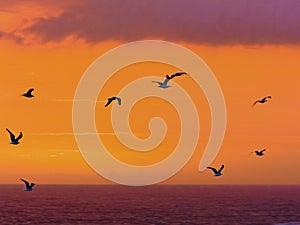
(159, 204)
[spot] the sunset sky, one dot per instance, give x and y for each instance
(252, 47)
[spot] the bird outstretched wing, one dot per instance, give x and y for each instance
(255, 103)
(222, 167)
(25, 182)
(12, 136)
(177, 74)
(119, 100)
(157, 82)
(213, 169)
(29, 92)
(19, 137)
(108, 102)
(165, 81)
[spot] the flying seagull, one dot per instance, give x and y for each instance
(163, 84)
(175, 75)
(260, 153)
(13, 139)
(112, 99)
(217, 172)
(28, 186)
(265, 99)
(28, 94)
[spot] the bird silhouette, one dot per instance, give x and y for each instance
(260, 153)
(167, 79)
(13, 139)
(217, 172)
(263, 100)
(175, 75)
(28, 94)
(112, 99)
(28, 186)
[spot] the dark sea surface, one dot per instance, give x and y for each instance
(159, 204)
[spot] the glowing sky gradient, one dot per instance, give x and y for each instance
(251, 46)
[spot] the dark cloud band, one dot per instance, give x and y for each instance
(215, 22)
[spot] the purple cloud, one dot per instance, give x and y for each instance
(215, 22)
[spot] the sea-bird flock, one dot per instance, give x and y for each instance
(16, 140)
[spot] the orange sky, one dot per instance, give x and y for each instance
(48, 151)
